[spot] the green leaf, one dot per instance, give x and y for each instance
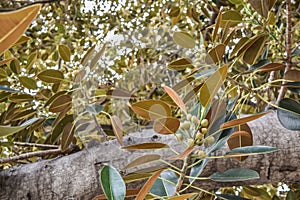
(292, 86)
(28, 82)
(3, 73)
(165, 185)
(64, 52)
(262, 7)
(231, 197)
(184, 39)
(9, 130)
(289, 114)
(51, 76)
(236, 174)
(211, 86)
(296, 52)
(18, 98)
(251, 150)
(94, 108)
(232, 17)
(112, 183)
(254, 50)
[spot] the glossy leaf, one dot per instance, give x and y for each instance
(240, 139)
(197, 170)
(51, 76)
(262, 7)
(15, 66)
(28, 82)
(61, 103)
(292, 86)
(231, 197)
(181, 64)
(23, 39)
(151, 109)
(165, 185)
(183, 196)
(5, 61)
(146, 146)
(31, 59)
(243, 120)
(175, 97)
(94, 108)
(67, 136)
(147, 186)
(96, 58)
(64, 52)
(211, 86)
(292, 75)
(18, 98)
(117, 128)
(236, 174)
(112, 183)
(14, 24)
(289, 114)
(254, 51)
(184, 39)
(9, 130)
(215, 55)
(166, 125)
(231, 17)
(142, 160)
(251, 150)
(182, 155)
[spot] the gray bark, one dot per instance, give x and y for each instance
(76, 176)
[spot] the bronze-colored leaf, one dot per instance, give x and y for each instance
(261, 6)
(240, 139)
(166, 125)
(254, 51)
(181, 64)
(217, 25)
(175, 97)
(231, 17)
(129, 193)
(240, 121)
(61, 103)
(238, 46)
(52, 98)
(215, 55)
(271, 67)
(5, 61)
(182, 155)
(117, 128)
(211, 86)
(292, 75)
(142, 160)
(14, 24)
(67, 136)
(151, 109)
(183, 196)
(147, 186)
(146, 146)
(135, 177)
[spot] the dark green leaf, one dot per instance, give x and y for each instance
(165, 185)
(252, 150)
(289, 114)
(94, 108)
(232, 175)
(9, 130)
(112, 183)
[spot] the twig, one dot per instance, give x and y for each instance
(289, 41)
(72, 148)
(49, 146)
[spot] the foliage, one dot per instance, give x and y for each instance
(193, 75)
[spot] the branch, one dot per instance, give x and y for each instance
(53, 152)
(26, 144)
(289, 41)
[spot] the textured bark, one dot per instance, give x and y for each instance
(76, 176)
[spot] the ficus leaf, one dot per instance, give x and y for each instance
(236, 174)
(184, 39)
(64, 52)
(151, 109)
(117, 128)
(142, 160)
(14, 24)
(166, 125)
(175, 97)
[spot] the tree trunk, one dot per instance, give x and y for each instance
(76, 176)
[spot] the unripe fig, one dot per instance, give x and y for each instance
(204, 123)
